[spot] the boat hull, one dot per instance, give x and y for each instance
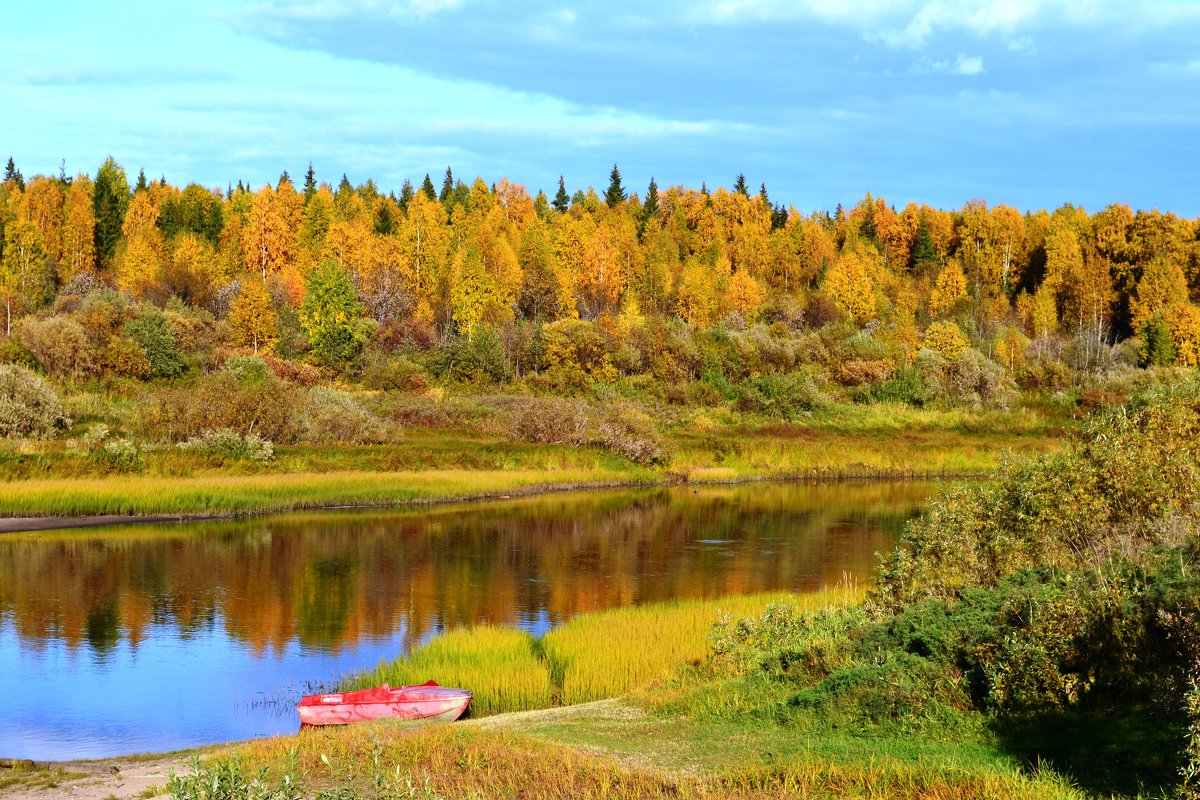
(426, 702)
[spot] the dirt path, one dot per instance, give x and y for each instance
(92, 780)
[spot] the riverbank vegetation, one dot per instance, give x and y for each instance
(1033, 636)
(153, 330)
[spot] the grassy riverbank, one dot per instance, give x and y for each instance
(1032, 636)
(721, 741)
(56, 478)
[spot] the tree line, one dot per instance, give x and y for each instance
(316, 269)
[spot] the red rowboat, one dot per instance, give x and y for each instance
(427, 701)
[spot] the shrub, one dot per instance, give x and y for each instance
(973, 379)
(864, 373)
(782, 642)
(60, 345)
(245, 397)
(906, 386)
(328, 416)
(122, 356)
(479, 357)
(247, 370)
(630, 433)
(398, 374)
(789, 396)
(295, 372)
(1130, 480)
(28, 406)
(11, 352)
(549, 420)
(946, 339)
(224, 444)
(151, 330)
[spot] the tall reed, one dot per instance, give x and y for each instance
(497, 664)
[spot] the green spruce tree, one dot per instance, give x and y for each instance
(110, 201)
(1158, 349)
(11, 173)
(406, 195)
(616, 192)
(310, 184)
(562, 201)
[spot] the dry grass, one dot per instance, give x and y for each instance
(453, 762)
(241, 493)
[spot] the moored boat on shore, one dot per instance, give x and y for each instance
(429, 701)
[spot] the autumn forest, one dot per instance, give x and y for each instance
(346, 300)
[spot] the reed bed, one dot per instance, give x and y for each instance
(611, 653)
(592, 657)
(498, 664)
(227, 494)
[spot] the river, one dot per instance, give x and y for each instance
(158, 637)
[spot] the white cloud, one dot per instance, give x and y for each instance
(967, 65)
(333, 9)
(912, 23)
(964, 65)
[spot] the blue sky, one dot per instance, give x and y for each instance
(1028, 103)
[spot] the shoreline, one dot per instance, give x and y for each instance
(48, 523)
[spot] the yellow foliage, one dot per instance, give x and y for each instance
(850, 285)
(1010, 348)
(698, 294)
(951, 287)
(945, 338)
(1184, 321)
(1043, 314)
(1162, 286)
(253, 319)
(139, 264)
(742, 293)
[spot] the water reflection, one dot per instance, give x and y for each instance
(279, 601)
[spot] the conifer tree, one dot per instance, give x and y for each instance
(562, 201)
(406, 195)
(447, 188)
(427, 188)
(11, 173)
(923, 252)
(616, 192)
(740, 187)
(310, 183)
(141, 182)
(650, 207)
(110, 200)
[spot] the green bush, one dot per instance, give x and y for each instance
(905, 386)
(224, 444)
(397, 374)
(788, 396)
(479, 357)
(28, 405)
(152, 332)
(1128, 481)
